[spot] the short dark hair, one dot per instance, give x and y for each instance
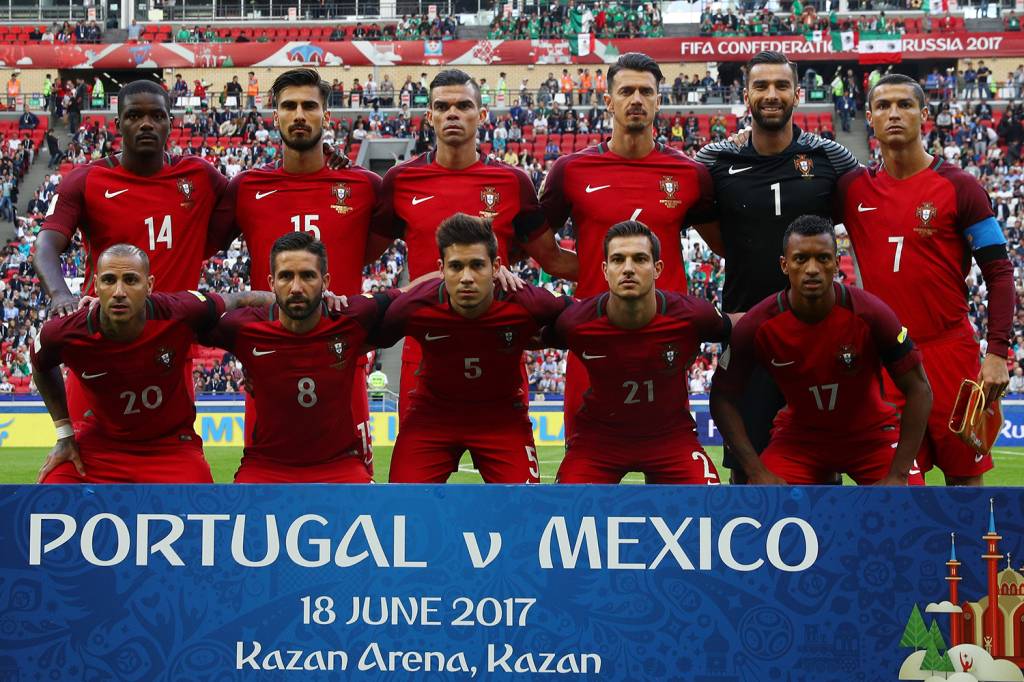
(899, 79)
(635, 61)
(454, 77)
(126, 251)
(632, 228)
(466, 229)
(139, 87)
(299, 241)
(299, 77)
(809, 226)
(770, 57)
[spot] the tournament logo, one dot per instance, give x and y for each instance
(491, 198)
(925, 213)
(669, 185)
(337, 347)
(341, 192)
(804, 165)
(847, 358)
(164, 357)
(185, 187)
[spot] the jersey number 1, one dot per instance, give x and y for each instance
(163, 235)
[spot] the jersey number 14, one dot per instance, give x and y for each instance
(162, 235)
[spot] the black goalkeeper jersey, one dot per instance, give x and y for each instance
(759, 196)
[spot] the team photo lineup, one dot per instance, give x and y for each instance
(811, 378)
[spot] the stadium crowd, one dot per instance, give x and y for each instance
(805, 19)
(604, 19)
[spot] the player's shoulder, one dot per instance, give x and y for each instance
(676, 303)
(766, 309)
(582, 311)
(863, 303)
(246, 315)
(499, 166)
(955, 175)
(430, 292)
(423, 160)
(710, 153)
(836, 153)
(666, 153)
(61, 329)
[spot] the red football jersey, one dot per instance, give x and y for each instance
(470, 362)
(166, 215)
(336, 206)
(828, 371)
(908, 236)
(665, 190)
(302, 383)
(135, 390)
(638, 382)
(419, 194)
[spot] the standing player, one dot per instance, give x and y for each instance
(302, 193)
(636, 343)
(422, 192)
(630, 176)
(915, 222)
(761, 186)
(470, 393)
(128, 353)
(302, 364)
(142, 196)
(824, 345)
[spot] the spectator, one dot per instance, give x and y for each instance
(27, 120)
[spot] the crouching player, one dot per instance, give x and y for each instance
(636, 343)
(824, 345)
(129, 354)
(301, 363)
(470, 393)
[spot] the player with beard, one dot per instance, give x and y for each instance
(303, 365)
(915, 223)
(455, 178)
(301, 193)
(130, 354)
(631, 176)
(761, 186)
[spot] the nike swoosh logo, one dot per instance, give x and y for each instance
(416, 201)
(110, 195)
(596, 189)
(258, 353)
(260, 195)
(978, 457)
(430, 337)
(592, 357)
(733, 170)
(782, 364)
(86, 375)
(861, 208)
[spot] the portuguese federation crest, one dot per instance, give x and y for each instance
(337, 346)
(670, 354)
(847, 358)
(340, 192)
(925, 213)
(164, 357)
(490, 198)
(186, 188)
(804, 165)
(669, 185)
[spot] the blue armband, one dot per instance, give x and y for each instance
(985, 233)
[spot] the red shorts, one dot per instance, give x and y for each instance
(947, 362)
(343, 470)
(601, 457)
(411, 356)
(430, 444)
(576, 384)
(811, 461)
(171, 459)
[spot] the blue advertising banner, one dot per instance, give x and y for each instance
(194, 583)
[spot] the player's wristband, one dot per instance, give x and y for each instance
(64, 431)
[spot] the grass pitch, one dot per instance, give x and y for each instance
(21, 465)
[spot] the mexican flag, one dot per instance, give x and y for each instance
(880, 48)
(844, 41)
(581, 44)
